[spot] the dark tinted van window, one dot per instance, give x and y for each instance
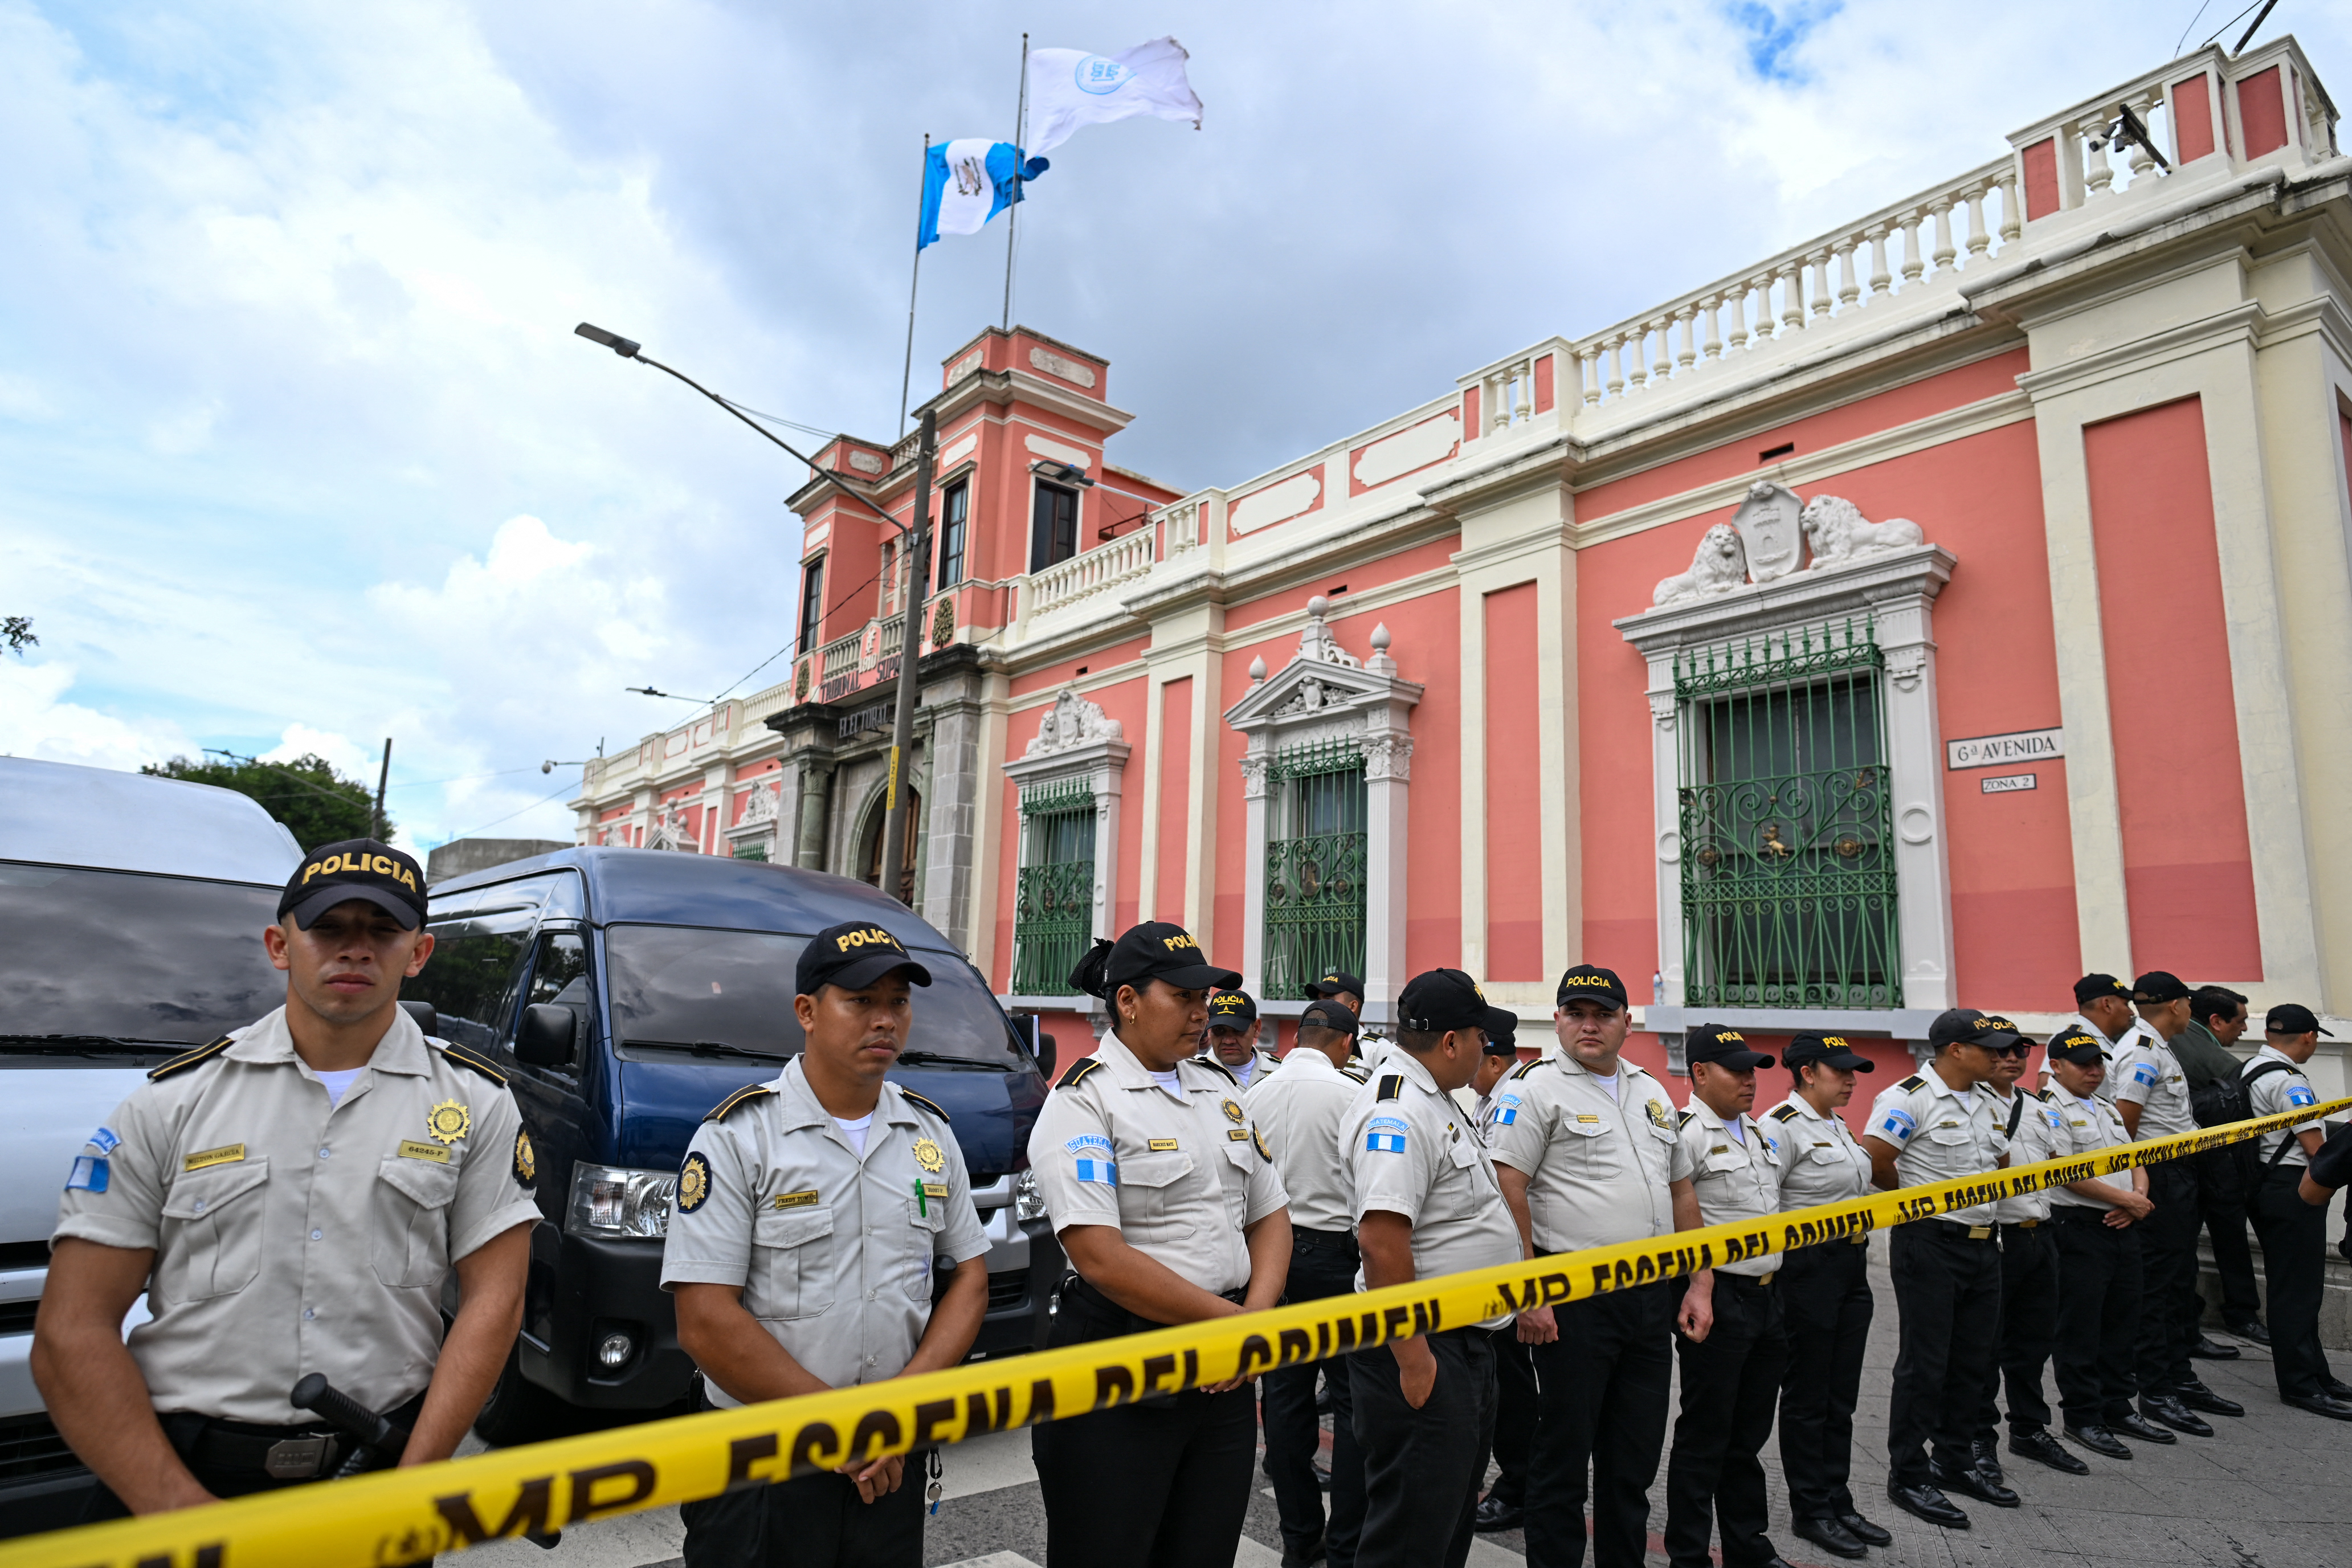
(121, 955)
(682, 985)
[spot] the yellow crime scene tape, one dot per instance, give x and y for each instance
(403, 1516)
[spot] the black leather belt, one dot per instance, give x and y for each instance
(1103, 1310)
(281, 1453)
(1324, 1240)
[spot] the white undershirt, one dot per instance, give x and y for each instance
(1611, 1083)
(1738, 1133)
(1966, 1097)
(339, 1083)
(1243, 1072)
(855, 1131)
(1167, 1080)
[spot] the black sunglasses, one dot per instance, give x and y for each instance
(2020, 1050)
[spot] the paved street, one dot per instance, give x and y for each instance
(2270, 1490)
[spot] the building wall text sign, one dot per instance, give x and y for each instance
(2007, 783)
(1990, 750)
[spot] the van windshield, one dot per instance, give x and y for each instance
(682, 986)
(125, 956)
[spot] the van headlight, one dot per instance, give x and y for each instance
(618, 1204)
(1027, 1202)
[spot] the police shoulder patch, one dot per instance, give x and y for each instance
(693, 1183)
(927, 1105)
(1786, 1113)
(1078, 1073)
(190, 1058)
(1912, 1084)
(1392, 1087)
(1684, 1120)
(472, 1063)
(720, 1111)
(526, 1160)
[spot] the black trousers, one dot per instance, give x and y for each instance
(1162, 1483)
(1422, 1467)
(1948, 1299)
(1826, 1308)
(1320, 1265)
(1731, 1384)
(2029, 1306)
(2224, 1200)
(2295, 1259)
(2167, 1250)
(1601, 1391)
(1515, 1417)
(815, 1522)
(2099, 1294)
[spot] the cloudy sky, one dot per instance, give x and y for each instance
(297, 450)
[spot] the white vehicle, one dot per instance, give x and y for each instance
(132, 909)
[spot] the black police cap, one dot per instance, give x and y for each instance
(355, 869)
(2091, 987)
(1156, 950)
(1593, 983)
(1968, 1027)
(1437, 1000)
(2076, 1046)
(1721, 1045)
(1338, 983)
(2292, 1018)
(2158, 985)
(1828, 1051)
(1334, 1015)
(1232, 1009)
(852, 955)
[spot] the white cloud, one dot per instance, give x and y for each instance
(345, 756)
(35, 722)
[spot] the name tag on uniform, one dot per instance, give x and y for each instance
(1237, 1135)
(1164, 1146)
(226, 1154)
(1720, 1149)
(806, 1200)
(433, 1151)
(1587, 1118)
(930, 1190)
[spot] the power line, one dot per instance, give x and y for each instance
(511, 816)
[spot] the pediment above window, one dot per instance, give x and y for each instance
(1325, 688)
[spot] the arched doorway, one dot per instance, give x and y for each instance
(869, 855)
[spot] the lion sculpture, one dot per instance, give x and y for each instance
(1837, 533)
(1720, 565)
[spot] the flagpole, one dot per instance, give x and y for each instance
(907, 375)
(1020, 126)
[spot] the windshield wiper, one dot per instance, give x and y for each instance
(704, 1049)
(934, 1058)
(90, 1045)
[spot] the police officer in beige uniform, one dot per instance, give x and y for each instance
(1299, 1107)
(1731, 1378)
(1586, 1153)
(2294, 1233)
(812, 1213)
(2029, 1127)
(2103, 1010)
(1232, 1037)
(1504, 1506)
(1938, 1126)
(1167, 1205)
(1825, 1296)
(292, 1199)
(1426, 1204)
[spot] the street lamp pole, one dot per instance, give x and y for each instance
(902, 729)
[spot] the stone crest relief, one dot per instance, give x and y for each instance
(1070, 723)
(1769, 536)
(1769, 528)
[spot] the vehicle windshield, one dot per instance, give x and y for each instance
(123, 955)
(685, 985)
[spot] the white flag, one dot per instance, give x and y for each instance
(1069, 89)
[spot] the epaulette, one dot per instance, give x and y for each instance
(472, 1063)
(1683, 1118)
(749, 1091)
(1786, 1113)
(1361, 1074)
(1214, 1062)
(2042, 1094)
(1079, 1071)
(1392, 1087)
(927, 1105)
(1522, 1071)
(190, 1058)
(1912, 1084)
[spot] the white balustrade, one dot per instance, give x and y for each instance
(1122, 559)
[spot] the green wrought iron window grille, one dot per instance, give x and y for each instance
(1053, 917)
(1787, 823)
(1315, 867)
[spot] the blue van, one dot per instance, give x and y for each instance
(625, 991)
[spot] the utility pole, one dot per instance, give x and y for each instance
(902, 730)
(383, 777)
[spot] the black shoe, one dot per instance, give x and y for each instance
(2205, 1349)
(1928, 1503)
(2334, 1389)
(1306, 1559)
(1494, 1513)
(1830, 1536)
(1862, 1530)
(2252, 1331)
(2099, 1440)
(1323, 1476)
(1986, 1451)
(2140, 1426)
(1971, 1483)
(2196, 1397)
(2321, 1405)
(2167, 1408)
(2039, 1445)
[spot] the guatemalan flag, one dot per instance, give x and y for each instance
(969, 180)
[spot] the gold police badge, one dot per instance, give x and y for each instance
(928, 1155)
(448, 1121)
(1233, 1112)
(1657, 1112)
(526, 1160)
(1263, 1152)
(693, 1183)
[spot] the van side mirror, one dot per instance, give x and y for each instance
(1043, 1050)
(545, 1038)
(427, 1019)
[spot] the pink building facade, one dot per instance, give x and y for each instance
(1952, 603)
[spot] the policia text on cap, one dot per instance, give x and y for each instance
(292, 1200)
